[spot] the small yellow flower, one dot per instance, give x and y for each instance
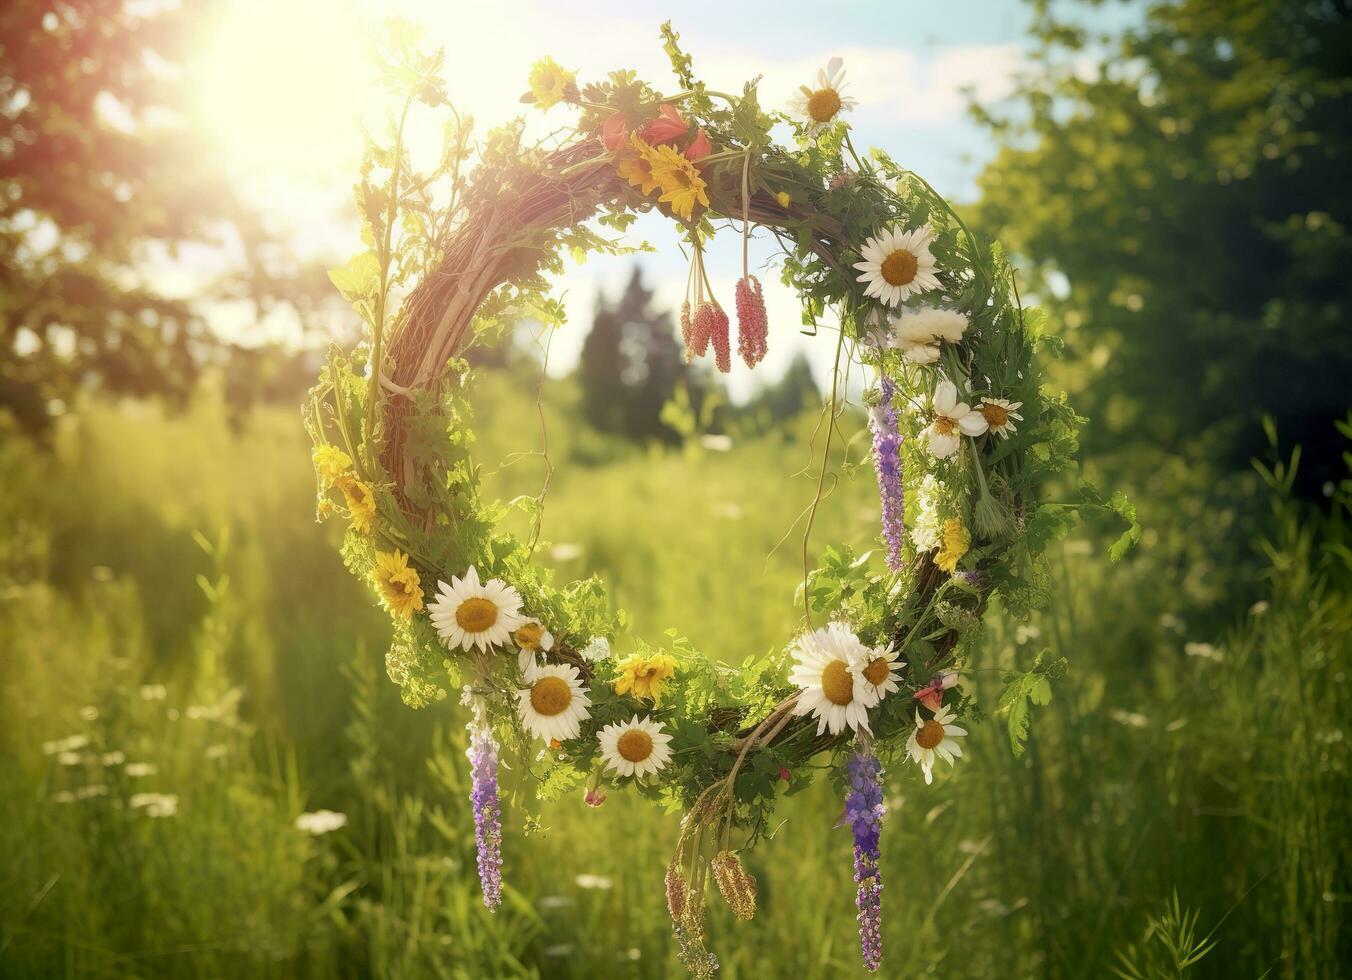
(361, 502)
(784, 199)
(549, 83)
(323, 508)
(956, 541)
(399, 585)
(330, 463)
(636, 165)
(683, 185)
(645, 676)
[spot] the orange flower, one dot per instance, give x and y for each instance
(668, 126)
(615, 132)
(699, 147)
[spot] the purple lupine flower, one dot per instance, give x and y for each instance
(864, 812)
(887, 461)
(483, 757)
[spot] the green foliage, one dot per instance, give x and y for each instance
(1022, 691)
(1182, 209)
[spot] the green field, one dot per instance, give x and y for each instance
(170, 611)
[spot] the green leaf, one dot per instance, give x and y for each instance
(1022, 690)
(359, 279)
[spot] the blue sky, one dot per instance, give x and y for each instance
(282, 87)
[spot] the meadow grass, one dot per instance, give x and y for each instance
(169, 610)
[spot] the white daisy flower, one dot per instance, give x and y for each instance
(828, 667)
(952, 419)
(918, 334)
(555, 704)
(936, 737)
(468, 614)
(898, 264)
(820, 106)
(1000, 415)
(637, 747)
(879, 671)
(532, 639)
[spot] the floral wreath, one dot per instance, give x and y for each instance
(964, 440)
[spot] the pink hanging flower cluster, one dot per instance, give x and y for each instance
(752, 322)
(708, 324)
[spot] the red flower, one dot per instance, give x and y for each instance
(614, 133)
(699, 147)
(784, 774)
(666, 127)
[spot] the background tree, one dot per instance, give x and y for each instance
(98, 169)
(1184, 208)
(630, 365)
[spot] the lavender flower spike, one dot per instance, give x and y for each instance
(483, 757)
(864, 812)
(887, 460)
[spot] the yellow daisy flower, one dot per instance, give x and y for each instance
(549, 83)
(361, 502)
(330, 463)
(636, 165)
(683, 185)
(784, 199)
(399, 585)
(644, 676)
(955, 544)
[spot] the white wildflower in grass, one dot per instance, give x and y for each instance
(597, 882)
(716, 442)
(69, 744)
(566, 551)
(89, 713)
(321, 822)
(90, 792)
(63, 796)
(951, 420)
(136, 770)
(468, 613)
(828, 670)
(897, 264)
(155, 804)
(113, 758)
(70, 758)
(153, 692)
(936, 738)
(217, 751)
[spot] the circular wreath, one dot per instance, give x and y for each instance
(964, 439)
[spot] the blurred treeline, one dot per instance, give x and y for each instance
(173, 627)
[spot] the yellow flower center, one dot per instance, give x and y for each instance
(899, 268)
(550, 696)
(944, 425)
(529, 636)
(931, 734)
(995, 415)
(823, 104)
(877, 671)
(476, 615)
(634, 745)
(837, 684)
